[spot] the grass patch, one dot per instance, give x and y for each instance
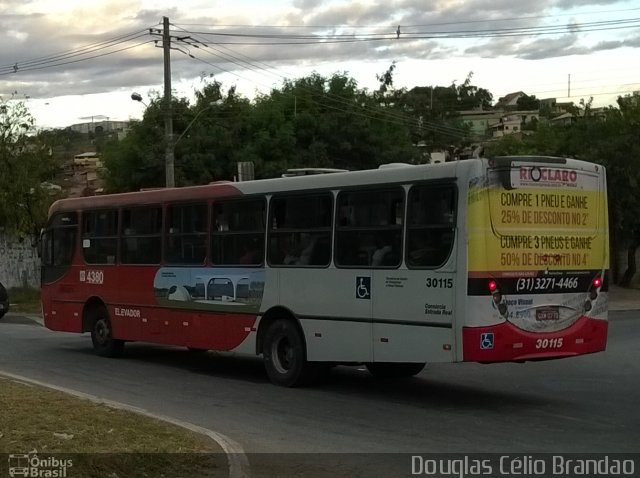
(100, 441)
(25, 300)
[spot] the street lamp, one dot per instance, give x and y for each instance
(169, 144)
(138, 97)
(210, 105)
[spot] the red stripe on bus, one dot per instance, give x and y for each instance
(507, 343)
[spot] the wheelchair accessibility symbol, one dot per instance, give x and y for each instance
(486, 341)
(363, 287)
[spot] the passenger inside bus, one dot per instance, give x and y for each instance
(300, 249)
(251, 254)
(307, 244)
(384, 247)
(430, 248)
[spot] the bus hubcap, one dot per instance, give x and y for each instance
(283, 355)
(102, 331)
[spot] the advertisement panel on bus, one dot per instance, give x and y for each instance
(538, 260)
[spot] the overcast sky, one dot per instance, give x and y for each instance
(75, 59)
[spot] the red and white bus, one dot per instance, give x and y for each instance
(483, 260)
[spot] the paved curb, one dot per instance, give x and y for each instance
(238, 463)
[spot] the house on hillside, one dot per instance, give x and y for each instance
(564, 119)
(87, 160)
(550, 108)
(82, 178)
(513, 122)
(497, 123)
(100, 126)
(481, 121)
(509, 102)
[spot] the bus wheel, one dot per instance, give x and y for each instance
(394, 370)
(102, 334)
(284, 355)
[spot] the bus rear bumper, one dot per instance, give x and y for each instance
(507, 343)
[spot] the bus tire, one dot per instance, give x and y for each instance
(394, 369)
(284, 355)
(102, 334)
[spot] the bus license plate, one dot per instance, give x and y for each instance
(546, 314)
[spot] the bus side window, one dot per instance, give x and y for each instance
(186, 234)
(369, 228)
(140, 242)
(237, 238)
(100, 236)
(431, 225)
(300, 233)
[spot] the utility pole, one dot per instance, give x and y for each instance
(168, 118)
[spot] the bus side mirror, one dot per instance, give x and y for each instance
(36, 242)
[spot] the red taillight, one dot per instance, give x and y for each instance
(493, 286)
(597, 282)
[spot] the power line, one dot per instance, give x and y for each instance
(79, 60)
(298, 39)
(76, 50)
(86, 49)
(392, 27)
(562, 84)
(441, 128)
(389, 116)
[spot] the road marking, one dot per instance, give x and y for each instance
(238, 463)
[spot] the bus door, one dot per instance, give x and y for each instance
(413, 294)
(99, 275)
(332, 303)
(59, 285)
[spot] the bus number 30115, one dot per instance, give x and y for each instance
(555, 343)
(439, 283)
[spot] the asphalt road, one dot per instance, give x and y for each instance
(583, 405)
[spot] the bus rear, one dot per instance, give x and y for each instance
(538, 258)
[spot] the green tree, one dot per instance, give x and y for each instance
(313, 121)
(25, 163)
(435, 112)
(528, 103)
(210, 148)
(470, 97)
(63, 143)
(618, 148)
(138, 160)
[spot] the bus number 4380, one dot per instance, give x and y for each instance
(92, 277)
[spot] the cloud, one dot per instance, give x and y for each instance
(307, 4)
(36, 40)
(569, 4)
(538, 49)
